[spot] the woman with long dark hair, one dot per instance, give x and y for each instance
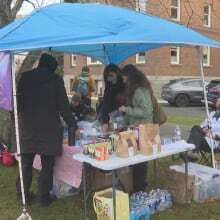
(139, 110)
(113, 94)
(139, 107)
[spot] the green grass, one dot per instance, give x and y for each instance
(187, 121)
(72, 208)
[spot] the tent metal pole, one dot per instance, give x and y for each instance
(200, 55)
(17, 131)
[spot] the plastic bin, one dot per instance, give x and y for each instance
(207, 181)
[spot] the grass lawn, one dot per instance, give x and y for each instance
(187, 121)
(72, 208)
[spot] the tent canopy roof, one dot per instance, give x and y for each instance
(107, 33)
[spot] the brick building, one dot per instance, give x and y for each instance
(202, 16)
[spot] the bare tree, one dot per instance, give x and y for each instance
(8, 12)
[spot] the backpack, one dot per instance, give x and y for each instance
(83, 86)
(159, 116)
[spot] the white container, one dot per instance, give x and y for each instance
(207, 181)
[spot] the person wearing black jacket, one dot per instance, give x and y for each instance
(42, 99)
(113, 95)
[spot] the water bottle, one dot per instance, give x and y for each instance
(177, 134)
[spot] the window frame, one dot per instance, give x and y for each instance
(138, 61)
(72, 61)
(140, 5)
(178, 8)
(208, 16)
(178, 55)
(89, 61)
(208, 56)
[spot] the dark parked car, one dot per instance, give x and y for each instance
(182, 92)
(213, 92)
(213, 83)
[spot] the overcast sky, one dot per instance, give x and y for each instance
(27, 7)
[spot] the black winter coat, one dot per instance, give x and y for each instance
(114, 97)
(42, 99)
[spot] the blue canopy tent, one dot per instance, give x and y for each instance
(106, 33)
(109, 34)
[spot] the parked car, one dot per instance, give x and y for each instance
(213, 83)
(182, 92)
(213, 92)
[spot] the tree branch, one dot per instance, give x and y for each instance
(30, 2)
(16, 8)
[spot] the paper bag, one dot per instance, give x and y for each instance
(103, 205)
(127, 144)
(149, 139)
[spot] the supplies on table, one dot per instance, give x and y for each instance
(127, 144)
(89, 129)
(156, 201)
(61, 189)
(103, 205)
(149, 139)
(206, 181)
(99, 151)
(116, 120)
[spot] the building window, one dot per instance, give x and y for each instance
(93, 61)
(175, 55)
(141, 5)
(175, 10)
(73, 60)
(206, 56)
(140, 58)
(207, 16)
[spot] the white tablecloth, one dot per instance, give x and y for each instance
(115, 162)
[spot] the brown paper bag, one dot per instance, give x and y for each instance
(126, 141)
(149, 139)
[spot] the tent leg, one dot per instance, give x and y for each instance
(17, 130)
(200, 55)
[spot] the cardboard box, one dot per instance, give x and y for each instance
(98, 179)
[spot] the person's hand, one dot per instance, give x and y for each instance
(206, 130)
(105, 127)
(122, 109)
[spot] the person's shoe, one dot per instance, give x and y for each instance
(47, 202)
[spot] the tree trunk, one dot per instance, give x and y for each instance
(7, 15)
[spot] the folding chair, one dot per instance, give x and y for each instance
(206, 156)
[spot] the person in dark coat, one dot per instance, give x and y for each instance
(42, 99)
(80, 110)
(114, 96)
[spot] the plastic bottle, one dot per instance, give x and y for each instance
(177, 134)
